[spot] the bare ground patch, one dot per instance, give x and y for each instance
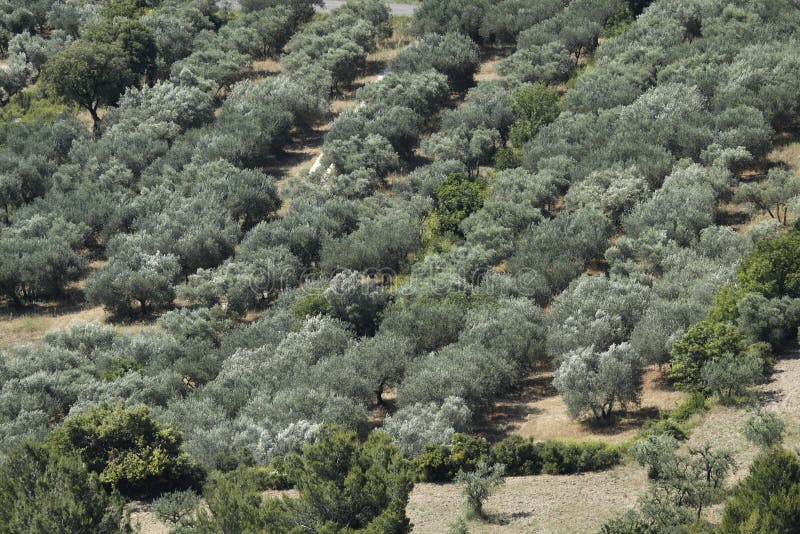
(543, 503)
(537, 411)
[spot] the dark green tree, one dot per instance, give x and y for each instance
(128, 450)
(773, 268)
(457, 198)
(703, 342)
(89, 74)
(535, 105)
(768, 500)
(45, 490)
(344, 484)
(131, 36)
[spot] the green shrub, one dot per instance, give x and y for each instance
(466, 452)
(434, 464)
(773, 268)
(235, 505)
(344, 484)
(440, 463)
(272, 476)
(666, 426)
(311, 304)
(695, 404)
(456, 199)
(521, 456)
(507, 158)
(567, 457)
(129, 450)
(703, 342)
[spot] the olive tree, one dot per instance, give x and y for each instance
(134, 278)
(764, 429)
(416, 426)
(598, 382)
(454, 55)
(355, 301)
(443, 16)
(480, 484)
(774, 196)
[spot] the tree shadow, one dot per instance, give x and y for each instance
(70, 301)
(513, 408)
(621, 422)
(787, 132)
(302, 149)
(505, 518)
(661, 383)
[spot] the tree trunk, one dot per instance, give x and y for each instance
(379, 395)
(95, 117)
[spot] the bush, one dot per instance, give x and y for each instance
(440, 463)
(456, 199)
(173, 507)
(764, 429)
(129, 450)
(566, 457)
(702, 342)
(434, 464)
(695, 404)
(344, 484)
(522, 457)
(773, 268)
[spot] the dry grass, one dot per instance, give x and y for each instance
(537, 411)
(30, 327)
(486, 70)
(788, 154)
(543, 503)
(146, 522)
(267, 67)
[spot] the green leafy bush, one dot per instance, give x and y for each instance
(129, 450)
(521, 457)
(702, 342)
(456, 199)
(773, 268)
(569, 457)
(441, 463)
